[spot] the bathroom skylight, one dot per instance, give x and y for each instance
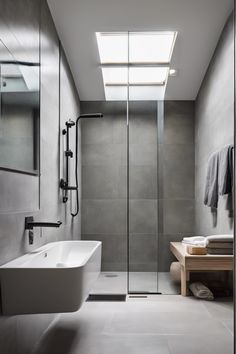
(154, 47)
(113, 47)
(137, 75)
(135, 64)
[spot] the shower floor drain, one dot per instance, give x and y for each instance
(108, 297)
(111, 275)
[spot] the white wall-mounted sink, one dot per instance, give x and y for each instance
(54, 278)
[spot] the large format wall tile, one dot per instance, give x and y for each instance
(143, 122)
(104, 216)
(104, 154)
(178, 216)
(104, 175)
(178, 123)
(20, 333)
(178, 171)
(143, 252)
(104, 182)
(114, 250)
(143, 154)
(214, 129)
(143, 216)
(23, 194)
(143, 182)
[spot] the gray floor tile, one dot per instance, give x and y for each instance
(222, 309)
(157, 325)
(195, 344)
(123, 344)
(229, 324)
(165, 323)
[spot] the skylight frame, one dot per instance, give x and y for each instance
(130, 33)
(127, 63)
(121, 77)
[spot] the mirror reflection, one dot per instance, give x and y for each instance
(19, 114)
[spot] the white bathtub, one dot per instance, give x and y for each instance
(54, 278)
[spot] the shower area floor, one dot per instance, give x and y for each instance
(139, 282)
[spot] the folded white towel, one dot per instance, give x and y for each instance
(195, 240)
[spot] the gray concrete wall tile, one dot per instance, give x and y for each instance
(104, 216)
(104, 161)
(143, 182)
(178, 216)
(104, 182)
(143, 252)
(143, 216)
(178, 169)
(214, 128)
(114, 250)
(142, 154)
(20, 22)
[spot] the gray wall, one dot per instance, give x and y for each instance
(214, 129)
(176, 189)
(13, 239)
(142, 187)
(164, 203)
(19, 334)
(104, 184)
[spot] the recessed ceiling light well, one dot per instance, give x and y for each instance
(135, 59)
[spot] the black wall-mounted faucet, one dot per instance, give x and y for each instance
(30, 223)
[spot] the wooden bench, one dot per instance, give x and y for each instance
(190, 263)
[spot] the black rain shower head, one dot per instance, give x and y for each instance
(91, 115)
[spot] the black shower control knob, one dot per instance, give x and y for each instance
(63, 184)
(69, 153)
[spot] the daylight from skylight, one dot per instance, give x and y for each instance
(135, 65)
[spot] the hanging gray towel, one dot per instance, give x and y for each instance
(226, 170)
(211, 189)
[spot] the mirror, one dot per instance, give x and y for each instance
(19, 114)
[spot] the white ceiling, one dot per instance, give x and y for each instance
(198, 22)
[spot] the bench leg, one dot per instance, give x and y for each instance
(184, 281)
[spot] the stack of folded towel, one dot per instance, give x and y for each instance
(215, 244)
(220, 244)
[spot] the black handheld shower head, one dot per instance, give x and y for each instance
(70, 123)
